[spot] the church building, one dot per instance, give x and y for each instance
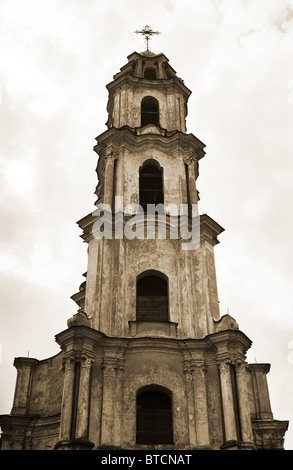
(147, 362)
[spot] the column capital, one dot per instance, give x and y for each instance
(68, 361)
(189, 158)
(120, 364)
(194, 369)
(198, 366)
(187, 369)
(111, 153)
(224, 364)
(110, 365)
(240, 365)
(86, 360)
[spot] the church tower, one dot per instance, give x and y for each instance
(146, 362)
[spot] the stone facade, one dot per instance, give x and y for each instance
(86, 397)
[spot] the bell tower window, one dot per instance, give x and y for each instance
(154, 416)
(150, 184)
(150, 74)
(149, 111)
(152, 297)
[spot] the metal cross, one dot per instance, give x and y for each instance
(147, 32)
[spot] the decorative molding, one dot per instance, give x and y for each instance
(111, 153)
(68, 362)
(127, 138)
(226, 322)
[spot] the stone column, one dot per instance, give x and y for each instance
(24, 368)
(108, 185)
(83, 397)
(139, 72)
(190, 404)
(109, 382)
(118, 403)
(161, 73)
(244, 409)
(260, 390)
(67, 398)
(227, 401)
(192, 174)
(200, 403)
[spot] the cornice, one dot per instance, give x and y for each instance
(17, 421)
(164, 84)
(259, 367)
(175, 142)
(142, 55)
(230, 345)
(209, 229)
(78, 337)
(20, 362)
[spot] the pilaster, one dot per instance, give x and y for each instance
(231, 347)
(195, 374)
(109, 174)
(109, 398)
(200, 404)
(86, 361)
(227, 401)
(243, 400)
(67, 397)
(118, 409)
(24, 366)
(78, 343)
(190, 403)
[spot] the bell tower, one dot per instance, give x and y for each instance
(147, 162)
(147, 361)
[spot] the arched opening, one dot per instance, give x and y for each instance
(149, 111)
(154, 416)
(150, 74)
(152, 302)
(150, 184)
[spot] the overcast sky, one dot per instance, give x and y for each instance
(56, 58)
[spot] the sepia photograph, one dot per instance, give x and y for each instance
(146, 153)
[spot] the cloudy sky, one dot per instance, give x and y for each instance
(56, 58)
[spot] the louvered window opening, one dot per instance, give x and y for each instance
(150, 186)
(152, 299)
(149, 111)
(154, 418)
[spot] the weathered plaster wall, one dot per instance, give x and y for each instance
(164, 368)
(114, 266)
(46, 387)
(127, 105)
(174, 181)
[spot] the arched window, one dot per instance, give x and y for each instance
(150, 74)
(149, 111)
(152, 297)
(150, 184)
(154, 416)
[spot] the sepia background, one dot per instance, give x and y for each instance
(56, 58)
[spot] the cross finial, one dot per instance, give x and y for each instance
(147, 32)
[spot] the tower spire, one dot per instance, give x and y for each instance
(147, 32)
